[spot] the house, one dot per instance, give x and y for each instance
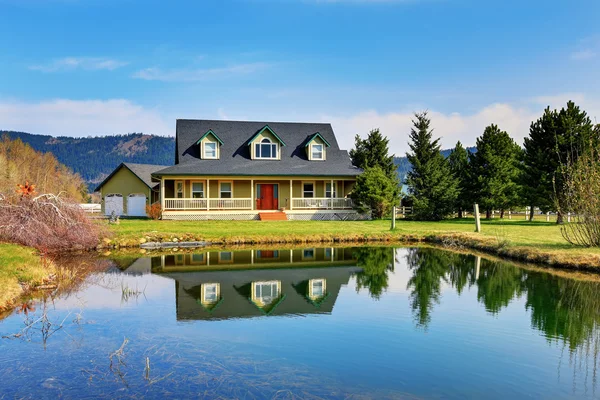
(128, 189)
(257, 170)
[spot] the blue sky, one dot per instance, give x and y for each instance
(93, 67)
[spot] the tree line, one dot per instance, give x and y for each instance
(498, 175)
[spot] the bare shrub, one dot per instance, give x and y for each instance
(582, 198)
(154, 211)
(47, 222)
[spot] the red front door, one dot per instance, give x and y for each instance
(266, 197)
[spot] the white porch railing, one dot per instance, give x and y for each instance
(322, 203)
(208, 204)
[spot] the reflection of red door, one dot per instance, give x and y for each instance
(266, 199)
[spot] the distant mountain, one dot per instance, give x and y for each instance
(404, 166)
(93, 158)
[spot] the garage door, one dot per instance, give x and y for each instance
(136, 205)
(113, 202)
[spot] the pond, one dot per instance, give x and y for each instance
(308, 323)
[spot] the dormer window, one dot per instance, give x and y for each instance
(266, 149)
(315, 147)
(209, 146)
(317, 151)
(210, 150)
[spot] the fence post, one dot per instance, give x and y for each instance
(568, 217)
(509, 215)
(393, 217)
(477, 220)
(548, 216)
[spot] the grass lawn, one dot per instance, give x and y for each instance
(19, 264)
(534, 237)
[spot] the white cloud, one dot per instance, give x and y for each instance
(583, 55)
(84, 63)
(452, 127)
(82, 117)
(193, 75)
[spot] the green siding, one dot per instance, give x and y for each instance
(124, 182)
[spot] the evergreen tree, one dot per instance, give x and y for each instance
(555, 140)
(374, 191)
(459, 166)
(495, 169)
(433, 189)
(373, 152)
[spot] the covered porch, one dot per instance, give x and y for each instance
(224, 194)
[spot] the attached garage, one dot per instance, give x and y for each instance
(136, 205)
(113, 202)
(129, 189)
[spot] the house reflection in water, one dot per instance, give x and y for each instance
(251, 283)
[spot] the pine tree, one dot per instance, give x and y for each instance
(433, 189)
(373, 152)
(459, 166)
(495, 169)
(555, 140)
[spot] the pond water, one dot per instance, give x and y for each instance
(308, 323)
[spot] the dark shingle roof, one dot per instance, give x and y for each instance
(235, 152)
(142, 171)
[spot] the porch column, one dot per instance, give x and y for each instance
(207, 194)
(331, 194)
(291, 191)
(162, 195)
(252, 197)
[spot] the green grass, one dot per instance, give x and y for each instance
(19, 264)
(511, 232)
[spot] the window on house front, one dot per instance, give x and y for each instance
(179, 189)
(328, 190)
(317, 151)
(308, 190)
(226, 190)
(197, 258)
(210, 150)
(265, 149)
(198, 190)
(308, 254)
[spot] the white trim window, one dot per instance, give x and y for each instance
(197, 190)
(316, 288)
(226, 257)
(265, 150)
(317, 152)
(328, 189)
(210, 293)
(226, 190)
(179, 189)
(210, 150)
(308, 190)
(266, 292)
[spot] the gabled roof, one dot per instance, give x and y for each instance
(235, 158)
(209, 132)
(313, 137)
(142, 171)
(266, 128)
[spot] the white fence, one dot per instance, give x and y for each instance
(91, 208)
(321, 203)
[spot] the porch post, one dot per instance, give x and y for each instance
(207, 194)
(252, 197)
(162, 195)
(291, 191)
(331, 194)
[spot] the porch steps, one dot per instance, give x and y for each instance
(273, 216)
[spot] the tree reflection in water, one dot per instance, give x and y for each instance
(565, 310)
(376, 263)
